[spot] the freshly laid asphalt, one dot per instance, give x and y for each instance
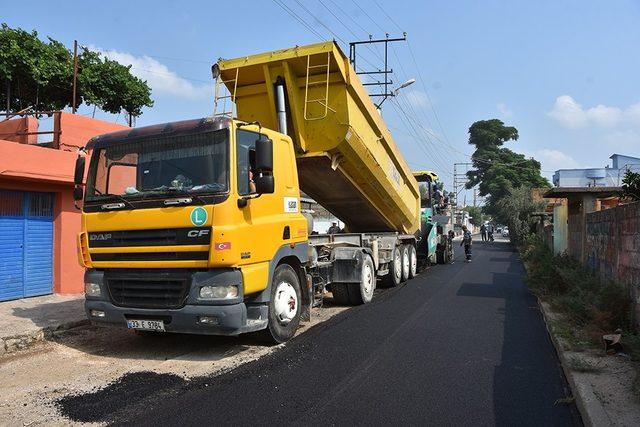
(461, 344)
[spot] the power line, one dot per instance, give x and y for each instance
(345, 26)
(368, 16)
(388, 16)
(336, 36)
(298, 18)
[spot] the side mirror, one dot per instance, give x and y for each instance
(265, 184)
(78, 193)
(79, 172)
(264, 155)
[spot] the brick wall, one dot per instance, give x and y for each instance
(613, 247)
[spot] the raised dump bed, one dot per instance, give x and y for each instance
(347, 159)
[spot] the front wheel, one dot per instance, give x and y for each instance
(284, 305)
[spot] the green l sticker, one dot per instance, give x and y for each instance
(198, 216)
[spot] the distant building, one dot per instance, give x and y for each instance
(609, 176)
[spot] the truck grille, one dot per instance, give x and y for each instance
(152, 256)
(158, 289)
(161, 237)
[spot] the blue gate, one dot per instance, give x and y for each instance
(26, 244)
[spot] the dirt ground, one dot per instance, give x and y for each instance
(609, 378)
(87, 358)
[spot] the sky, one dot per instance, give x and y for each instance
(566, 74)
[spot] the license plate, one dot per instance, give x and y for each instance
(147, 325)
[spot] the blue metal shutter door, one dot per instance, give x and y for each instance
(38, 245)
(11, 244)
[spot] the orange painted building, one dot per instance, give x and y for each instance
(38, 219)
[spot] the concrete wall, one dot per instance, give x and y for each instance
(77, 130)
(16, 130)
(612, 247)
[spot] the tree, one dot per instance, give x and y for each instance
(631, 185)
(475, 212)
(498, 170)
(515, 211)
(39, 74)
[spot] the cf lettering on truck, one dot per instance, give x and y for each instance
(196, 227)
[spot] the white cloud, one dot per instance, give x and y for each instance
(504, 111)
(552, 159)
(161, 79)
(569, 113)
(604, 116)
(417, 98)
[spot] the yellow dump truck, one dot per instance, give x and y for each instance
(196, 226)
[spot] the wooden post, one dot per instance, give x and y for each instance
(75, 74)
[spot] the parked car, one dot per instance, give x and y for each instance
(505, 232)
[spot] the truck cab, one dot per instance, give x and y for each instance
(186, 224)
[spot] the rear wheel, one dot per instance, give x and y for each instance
(284, 305)
(406, 263)
(394, 276)
(340, 293)
(413, 262)
(362, 293)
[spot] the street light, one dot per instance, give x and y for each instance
(403, 85)
(394, 92)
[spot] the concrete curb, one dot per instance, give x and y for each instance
(14, 343)
(590, 407)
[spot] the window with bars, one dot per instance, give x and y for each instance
(40, 205)
(19, 203)
(11, 203)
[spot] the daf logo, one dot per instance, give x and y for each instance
(105, 236)
(197, 233)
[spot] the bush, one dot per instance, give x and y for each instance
(598, 307)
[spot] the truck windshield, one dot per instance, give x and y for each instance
(155, 166)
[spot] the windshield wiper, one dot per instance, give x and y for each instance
(114, 205)
(173, 190)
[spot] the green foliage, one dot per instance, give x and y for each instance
(475, 212)
(514, 209)
(40, 75)
(498, 170)
(598, 308)
(631, 185)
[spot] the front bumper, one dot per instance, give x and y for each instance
(232, 319)
(231, 316)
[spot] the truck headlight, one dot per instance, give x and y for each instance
(92, 289)
(219, 292)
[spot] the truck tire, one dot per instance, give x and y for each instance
(284, 306)
(394, 276)
(406, 263)
(340, 293)
(362, 293)
(413, 261)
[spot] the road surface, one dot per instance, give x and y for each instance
(461, 344)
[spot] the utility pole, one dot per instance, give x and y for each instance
(75, 74)
(385, 73)
(475, 195)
